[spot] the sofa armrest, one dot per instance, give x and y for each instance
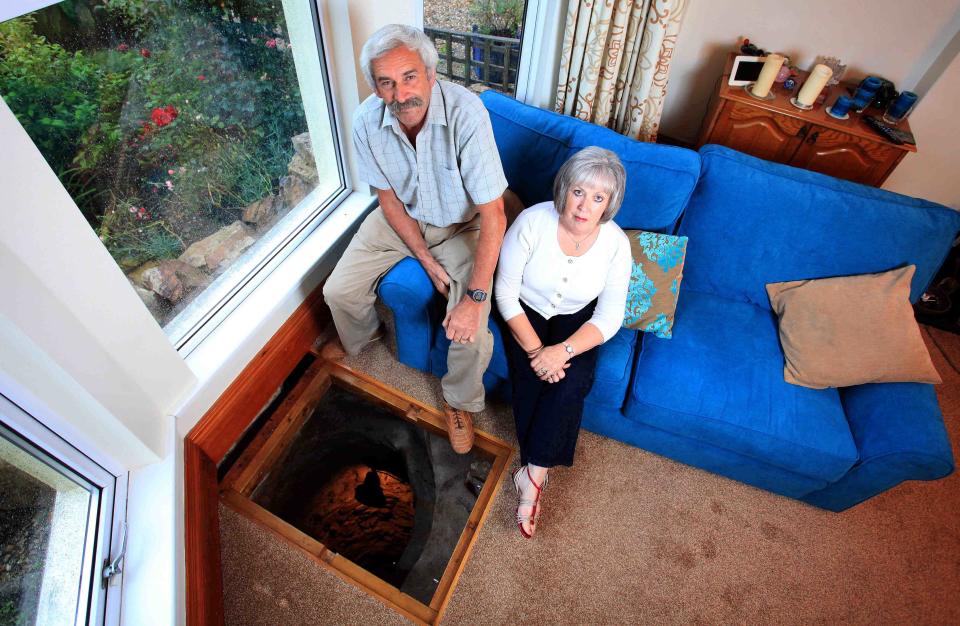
(900, 435)
(407, 291)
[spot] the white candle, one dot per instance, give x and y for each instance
(815, 82)
(767, 75)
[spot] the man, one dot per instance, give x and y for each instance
(427, 147)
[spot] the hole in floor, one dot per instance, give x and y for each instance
(376, 488)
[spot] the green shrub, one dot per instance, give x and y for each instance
(182, 108)
(498, 17)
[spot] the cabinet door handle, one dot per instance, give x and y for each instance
(813, 138)
(803, 131)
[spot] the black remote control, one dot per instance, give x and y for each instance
(895, 135)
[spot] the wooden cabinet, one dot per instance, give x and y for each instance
(777, 131)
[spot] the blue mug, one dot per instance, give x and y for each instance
(865, 92)
(841, 106)
(900, 107)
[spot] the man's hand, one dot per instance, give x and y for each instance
(462, 321)
(438, 276)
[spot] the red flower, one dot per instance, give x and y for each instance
(271, 43)
(144, 53)
(201, 77)
(123, 47)
(146, 128)
(162, 117)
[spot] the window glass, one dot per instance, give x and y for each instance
(478, 41)
(184, 133)
(46, 515)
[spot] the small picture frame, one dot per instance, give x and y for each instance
(746, 70)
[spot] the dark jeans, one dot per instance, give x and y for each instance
(548, 414)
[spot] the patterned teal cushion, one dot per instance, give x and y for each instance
(654, 281)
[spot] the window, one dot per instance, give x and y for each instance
(478, 41)
(195, 137)
(58, 515)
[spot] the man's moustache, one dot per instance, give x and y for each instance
(399, 107)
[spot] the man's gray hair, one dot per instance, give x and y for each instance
(393, 36)
(594, 166)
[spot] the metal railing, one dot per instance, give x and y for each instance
(471, 58)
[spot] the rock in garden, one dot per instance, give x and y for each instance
(261, 211)
(171, 279)
(222, 247)
(293, 189)
(165, 283)
(303, 164)
(303, 147)
(306, 170)
(136, 276)
(150, 299)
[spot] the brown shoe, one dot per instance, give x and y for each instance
(459, 428)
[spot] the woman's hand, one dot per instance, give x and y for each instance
(550, 362)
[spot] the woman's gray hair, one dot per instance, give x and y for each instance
(393, 36)
(596, 166)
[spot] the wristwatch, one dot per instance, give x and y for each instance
(477, 295)
(568, 348)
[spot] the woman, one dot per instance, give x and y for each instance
(561, 286)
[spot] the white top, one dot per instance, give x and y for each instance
(535, 270)
(455, 165)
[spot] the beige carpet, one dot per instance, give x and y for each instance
(628, 537)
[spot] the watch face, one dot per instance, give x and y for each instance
(478, 295)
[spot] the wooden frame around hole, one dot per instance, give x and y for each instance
(269, 445)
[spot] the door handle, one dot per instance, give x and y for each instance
(803, 131)
(813, 138)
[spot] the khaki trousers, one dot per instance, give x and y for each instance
(350, 294)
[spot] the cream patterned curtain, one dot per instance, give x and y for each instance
(616, 55)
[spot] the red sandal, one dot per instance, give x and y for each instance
(534, 514)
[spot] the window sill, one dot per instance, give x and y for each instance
(224, 353)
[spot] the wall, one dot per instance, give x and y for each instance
(76, 317)
(895, 39)
(366, 16)
(932, 172)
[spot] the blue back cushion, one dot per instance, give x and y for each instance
(752, 222)
(534, 143)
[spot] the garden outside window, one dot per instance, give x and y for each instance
(195, 136)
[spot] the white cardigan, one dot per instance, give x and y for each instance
(535, 270)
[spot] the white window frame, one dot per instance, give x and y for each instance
(192, 332)
(96, 604)
(540, 52)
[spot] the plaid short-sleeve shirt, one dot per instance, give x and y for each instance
(455, 166)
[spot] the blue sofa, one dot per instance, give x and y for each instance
(713, 396)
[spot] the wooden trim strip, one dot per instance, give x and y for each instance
(202, 538)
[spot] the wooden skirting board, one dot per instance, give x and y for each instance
(225, 423)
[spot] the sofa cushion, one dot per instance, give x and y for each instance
(534, 143)
(612, 375)
(720, 380)
(654, 281)
(752, 222)
(850, 330)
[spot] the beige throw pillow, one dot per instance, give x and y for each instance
(850, 330)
